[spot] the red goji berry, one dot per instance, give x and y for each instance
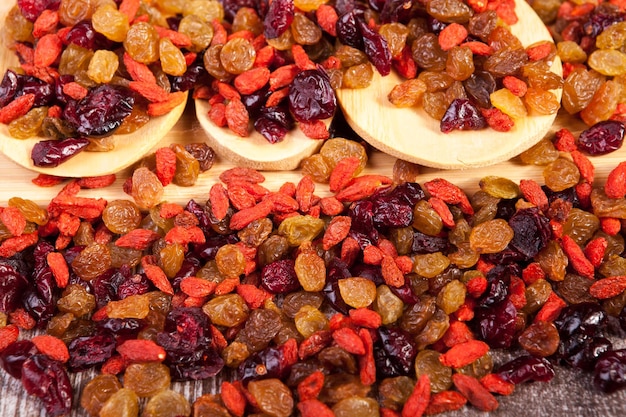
(517, 291)
(497, 120)
(610, 225)
(551, 308)
(362, 187)
(115, 365)
(46, 23)
(184, 235)
(13, 245)
(242, 218)
(179, 39)
(227, 286)
(22, 319)
(577, 257)
(343, 173)
(283, 76)
(16, 108)
(336, 231)
(404, 263)
(47, 50)
(75, 90)
(479, 6)
(515, 85)
(457, 333)
(252, 80)
(565, 140)
(25, 53)
(494, 383)
(532, 273)
(59, 268)
(583, 192)
(314, 344)
(533, 193)
(254, 296)
(314, 408)
(391, 273)
(8, 335)
(449, 193)
(314, 129)
(163, 107)
(47, 180)
(443, 401)
(464, 353)
(139, 239)
(476, 286)
(405, 64)
(372, 255)
(475, 393)
(452, 35)
(156, 275)
(348, 339)
(367, 364)
(540, 50)
(608, 287)
(13, 219)
(418, 400)
(364, 317)
(141, 350)
(151, 92)
(586, 168)
(197, 287)
(265, 57)
(595, 250)
(311, 386)
(330, 206)
(327, 17)
(240, 198)
(51, 346)
(276, 97)
(615, 185)
(233, 398)
(442, 209)
(304, 193)
(350, 249)
(130, 8)
(138, 71)
(478, 48)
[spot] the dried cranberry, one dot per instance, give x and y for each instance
(101, 112)
(580, 351)
(208, 365)
(393, 10)
(13, 356)
(394, 352)
(371, 272)
(496, 324)
(600, 19)
(31, 9)
(135, 285)
(106, 285)
(462, 115)
(336, 270)
(392, 215)
(348, 31)
(526, 368)
(531, 231)
(194, 75)
(602, 138)
(12, 287)
(84, 35)
(52, 153)
(376, 48)
(362, 229)
(311, 97)
(10, 85)
(423, 243)
(90, 351)
(435, 25)
(44, 92)
(270, 129)
(609, 374)
(47, 379)
(267, 363)
(121, 327)
(584, 318)
(185, 335)
(280, 277)
(278, 18)
(201, 214)
(207, 250)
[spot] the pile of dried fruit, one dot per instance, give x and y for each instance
(385, 297)
(88, 70)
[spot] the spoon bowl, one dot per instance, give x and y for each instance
(412, 135)
(129, 148)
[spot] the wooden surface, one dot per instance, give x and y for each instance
(411, 134)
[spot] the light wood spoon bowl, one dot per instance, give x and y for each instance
(255, 151)
(411, 134)
(129, 148)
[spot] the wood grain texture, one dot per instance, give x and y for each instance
(411, 134)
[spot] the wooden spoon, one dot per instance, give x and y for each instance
(255, 151)
(129, 148)
(412, 135)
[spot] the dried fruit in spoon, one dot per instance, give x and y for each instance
(265, 69)
(88, 71)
